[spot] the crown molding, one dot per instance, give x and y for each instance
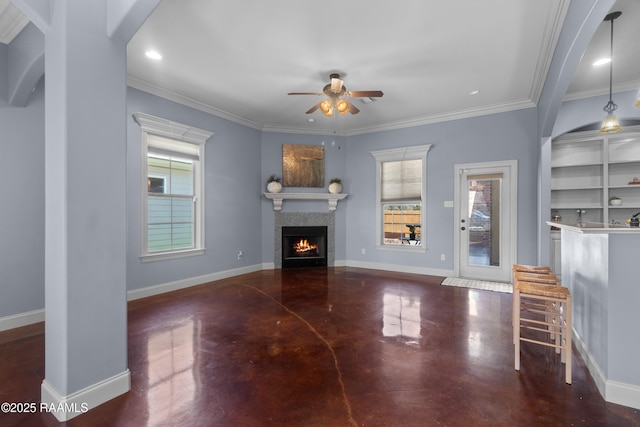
(617, 88)
(189, 102)
(418, 121)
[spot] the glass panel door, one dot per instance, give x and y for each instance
(485, 225)
(483, 212)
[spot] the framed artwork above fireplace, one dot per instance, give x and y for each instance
(302, 165)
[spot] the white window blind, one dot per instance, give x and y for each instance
(171, 147)
(401, 180)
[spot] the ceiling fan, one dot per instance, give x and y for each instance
(334, 92)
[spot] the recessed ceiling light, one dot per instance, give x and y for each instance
(601, 61)
(311, 120)
(153, 54)
(474, 92)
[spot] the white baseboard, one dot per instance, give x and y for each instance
(401, 268)
(623, 394)
(611, 391)
(199, 280)
(21, 319)
(66, 407)
(191, 281)
(28, 318)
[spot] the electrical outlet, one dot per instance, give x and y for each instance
(239, 255)
(442, 257)
(364, 251)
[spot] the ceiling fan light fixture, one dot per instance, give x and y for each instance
(342, 106)
(610, 123)
(637, 104)
(326, 107)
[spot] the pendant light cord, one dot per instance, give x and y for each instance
(611, 64)
(611, 106)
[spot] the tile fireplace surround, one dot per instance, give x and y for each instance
(304, 219)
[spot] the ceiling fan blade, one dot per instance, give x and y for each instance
(353, 109)
(314, 108)
(365, 93)
(306, 93)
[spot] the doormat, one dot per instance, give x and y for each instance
(478, 284)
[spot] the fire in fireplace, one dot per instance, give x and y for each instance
(304, 246)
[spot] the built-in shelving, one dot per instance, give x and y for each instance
(588, 169)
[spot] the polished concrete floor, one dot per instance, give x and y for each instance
(320, 348)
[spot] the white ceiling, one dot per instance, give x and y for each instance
(589, 80)
(239, 59)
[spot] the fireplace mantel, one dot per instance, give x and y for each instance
(277, 198)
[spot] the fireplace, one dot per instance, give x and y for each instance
(283, 220)
(304, 246)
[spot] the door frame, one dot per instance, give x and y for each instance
(511, 194)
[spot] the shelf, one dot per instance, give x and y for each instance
(576, 165)
(623, 162)
(332, 199)
(575, 206)
(595, 187)
(635, 186)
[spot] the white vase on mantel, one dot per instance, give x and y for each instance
(335, 188)
(274, 187)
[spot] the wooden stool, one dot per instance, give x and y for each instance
(535, 269)
(534, 298)
(542, 278)
(536, 274)
(548, 279)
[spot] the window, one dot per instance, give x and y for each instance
(401, 197)
(173, 192)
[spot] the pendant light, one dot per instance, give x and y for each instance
(610, 122)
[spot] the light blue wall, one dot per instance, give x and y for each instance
(22, 211)
(239, 160)
(504, 136)
(232, 186)
(583, 112)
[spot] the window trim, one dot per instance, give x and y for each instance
(165, 128)
(397, 154)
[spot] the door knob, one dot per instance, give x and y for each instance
(463, 221)
(462, 228)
